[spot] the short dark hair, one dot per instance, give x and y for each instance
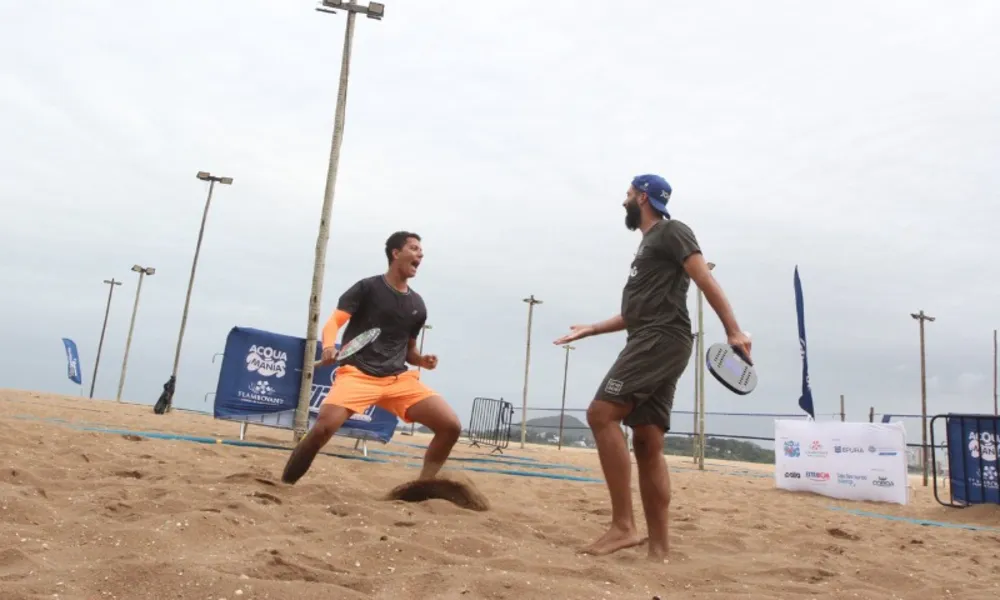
(396, 241)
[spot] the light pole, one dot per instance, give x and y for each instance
(995, 407)
(420, 349)
(532, 301)
(920, 316)
(142, 271)
(212, 180)
(694, 412)
(562, 410)
(100, 344)
(373, 10)
(699, 350)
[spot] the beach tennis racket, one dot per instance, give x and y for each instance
(731, 368)
(357, 343)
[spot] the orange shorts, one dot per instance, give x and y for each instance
(356, 391)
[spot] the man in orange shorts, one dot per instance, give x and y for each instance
(377, 374)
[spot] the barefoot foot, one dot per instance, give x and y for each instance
(614, 540)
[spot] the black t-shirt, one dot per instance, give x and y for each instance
(372, 302)
(655, 295)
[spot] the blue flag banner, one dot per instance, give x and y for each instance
(806, 399)
(259, 384)
(972, 458)
(72, 361)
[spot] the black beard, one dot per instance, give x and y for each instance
(633, 216)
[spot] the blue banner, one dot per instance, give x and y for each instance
(806, 399)
(259, 383)
(72, 361)
(972, 458)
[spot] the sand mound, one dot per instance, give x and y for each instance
(453, 488)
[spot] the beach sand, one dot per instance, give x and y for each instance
(91, 514)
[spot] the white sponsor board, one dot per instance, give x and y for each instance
(850, 461)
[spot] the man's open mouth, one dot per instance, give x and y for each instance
(415, 264)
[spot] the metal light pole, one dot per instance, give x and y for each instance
(694, 412)
(420, 349)
(111, 290)
(532, 301)
(562, 410)
(701, 377)
(373, 10)
(142, 271)
(920, 316)
(995, 411)
(212, 180)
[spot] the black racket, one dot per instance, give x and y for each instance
(357, 343)
(731, 368)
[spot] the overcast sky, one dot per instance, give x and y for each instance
(858, 140)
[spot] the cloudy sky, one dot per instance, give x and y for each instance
(857, 140)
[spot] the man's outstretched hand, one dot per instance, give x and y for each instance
(576, 332)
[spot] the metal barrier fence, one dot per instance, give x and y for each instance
(489, 423)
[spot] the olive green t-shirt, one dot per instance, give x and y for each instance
(655, 296)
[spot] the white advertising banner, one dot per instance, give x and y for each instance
(850, 461)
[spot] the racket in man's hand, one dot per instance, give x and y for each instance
(732, 368)
(357, 343)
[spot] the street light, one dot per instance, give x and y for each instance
(925, 455)
(142, 271)
(100, 344)
(531, 301)
(212, 180)
(700, 346)
(373, 10)
(562, 410)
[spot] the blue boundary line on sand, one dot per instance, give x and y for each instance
(520, 473)
(424, 447)
(535, 465)
(923, 522)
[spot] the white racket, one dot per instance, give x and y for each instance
(357, 343)
(731, 368)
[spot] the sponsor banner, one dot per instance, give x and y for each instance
(850, 461)
(972, 458)
(259, 384)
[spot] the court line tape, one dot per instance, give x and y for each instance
(519, 473)
(424, 447)
(89, 426)
(923, 522)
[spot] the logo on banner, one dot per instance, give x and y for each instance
(848, 450)
(267, 361)
(793, 475)
(792, 449)
(883, 481)
(983, 445)
(365, 416)
(260, 392)
(882, 451)
(990, 477)
(817, 475)
(849, 479)
(816, 450)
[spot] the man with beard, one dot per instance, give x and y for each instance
(377, 374)
(639, 388)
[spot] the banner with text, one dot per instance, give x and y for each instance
(850, 461)
(259, 384)
(972, 458)
(72, 361)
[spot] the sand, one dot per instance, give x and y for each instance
(96, 514)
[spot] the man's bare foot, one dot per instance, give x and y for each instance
(657, 554)
(614, 540)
